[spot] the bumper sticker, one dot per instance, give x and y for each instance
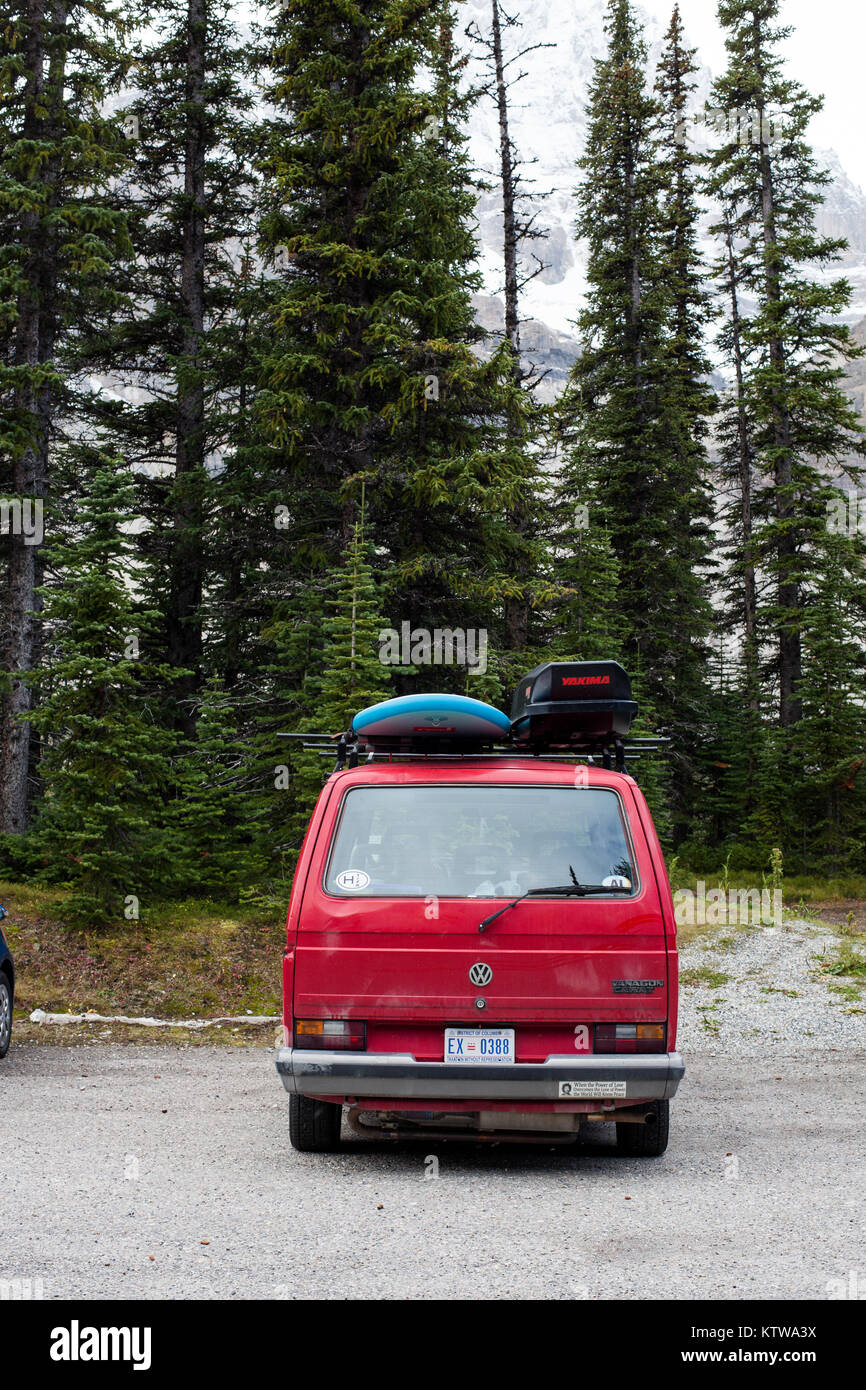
(572, 1089)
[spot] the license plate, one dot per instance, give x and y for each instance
(473, 1045)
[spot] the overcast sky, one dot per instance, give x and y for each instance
(826, 52)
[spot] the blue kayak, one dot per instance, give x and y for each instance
(419, 717)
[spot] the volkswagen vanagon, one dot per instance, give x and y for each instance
(481, 933)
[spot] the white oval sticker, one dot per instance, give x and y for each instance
(352, 880)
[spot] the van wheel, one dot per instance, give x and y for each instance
(649, 1139)
(314, 1125)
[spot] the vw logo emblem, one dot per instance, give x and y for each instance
(480, 973)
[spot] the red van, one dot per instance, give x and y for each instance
(480, 942)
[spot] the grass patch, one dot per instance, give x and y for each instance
(690, 933)
(709, 1022)
(844, 971)
(837, 903)
(847, 961)
(796, 888)
(704, 975)
(190, 959)
(850, 993)
(818, 888)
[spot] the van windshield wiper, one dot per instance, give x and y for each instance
(564, 890)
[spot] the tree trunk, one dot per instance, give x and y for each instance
(184, 608)
(788, 592)
(33, 348)
(506, 160)
(744, 462)
(516, 609)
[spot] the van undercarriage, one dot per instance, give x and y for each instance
(487, 1123)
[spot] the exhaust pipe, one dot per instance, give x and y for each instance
(628, 1117)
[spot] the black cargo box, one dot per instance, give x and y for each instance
(572, 704)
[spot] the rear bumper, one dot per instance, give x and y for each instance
(634, 1077)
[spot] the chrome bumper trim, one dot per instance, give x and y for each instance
(387, 1075)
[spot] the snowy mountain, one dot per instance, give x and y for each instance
(548, 125)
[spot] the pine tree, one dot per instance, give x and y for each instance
(58, 66)
(637, 389)
(613, 388)
(740, 708)
(730, 759)
(243, 540)
(349, 677)
(370, 376)
(353, 675)
(828, 755)
(217, 851)
(735, 439)
(652, 769)
(107, 762)
(520, 233)
(793, 345)
(586, 618)
(347, 120)
(174, 353)
(686, 403)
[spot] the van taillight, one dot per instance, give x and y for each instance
(630, 1037)
(337, 1033)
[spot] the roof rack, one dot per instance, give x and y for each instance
(348, 754)
(561, 710)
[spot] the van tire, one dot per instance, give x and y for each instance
(314, 1125)
(648, 1140)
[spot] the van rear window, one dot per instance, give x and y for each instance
(477, 842)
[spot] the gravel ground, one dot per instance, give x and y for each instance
(773, 998)
(166, 1172)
